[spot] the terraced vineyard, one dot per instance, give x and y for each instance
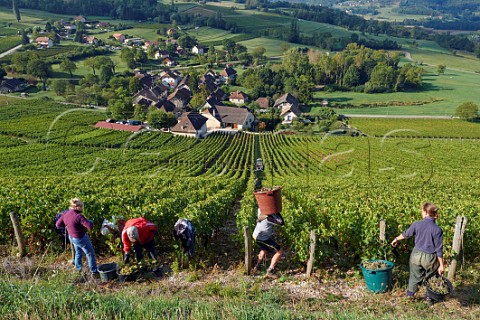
(339, 186)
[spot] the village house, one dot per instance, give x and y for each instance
(208, 81)
(170, 78)
(169, 62)
(133, 41)
(102, 25)
(90, 40)
(180, 97)
(222, 117)
(69, 28)
(191, 124)
(149, 97)
(198, 49)
(218, 94)
(149, 44)
(211, 102)
(286, 99)
(179, 51)
(161, 54)
(44, 42)
(228, 75)
(172, 32)
(289, 106)
(80, 19)
(119, 37)
(168, 106)
(263, 104)
(12, 85)
(146, 80)
(238, 97)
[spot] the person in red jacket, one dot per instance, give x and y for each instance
(140, 233)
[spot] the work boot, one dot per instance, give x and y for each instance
(95, 276)
(255, 271)
(271, 274)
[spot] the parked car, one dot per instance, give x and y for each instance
(134, 122)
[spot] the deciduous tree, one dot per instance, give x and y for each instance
(68, 65)
(467, 111)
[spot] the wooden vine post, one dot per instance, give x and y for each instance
(382, 226)
(311, 259)
(248, 249)
(457, 245)
(22, 249)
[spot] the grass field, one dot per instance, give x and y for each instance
(441, 96)
(8, 31)
(387, 14)
(147, 34)
(309, 27)
(207, 34)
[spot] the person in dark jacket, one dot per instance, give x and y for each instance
(62, 232)
(185, 232)
(427, 256)
(77, 226)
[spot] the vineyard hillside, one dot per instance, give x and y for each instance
(340, 186)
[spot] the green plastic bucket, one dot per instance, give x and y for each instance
(108, 271)
(379, 280)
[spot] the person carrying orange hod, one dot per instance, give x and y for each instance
(140, 233)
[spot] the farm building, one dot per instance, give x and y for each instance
(12, 85)
(228, 117)
(191, 124)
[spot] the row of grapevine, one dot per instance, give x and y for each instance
(360, 181)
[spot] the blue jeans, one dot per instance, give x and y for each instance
(83, 245)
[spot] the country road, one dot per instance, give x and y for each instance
(3, 54)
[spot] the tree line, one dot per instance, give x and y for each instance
(357, 68)
(121, 9)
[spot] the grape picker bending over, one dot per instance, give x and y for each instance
(140, 233)
(427, 256)
(263, 237)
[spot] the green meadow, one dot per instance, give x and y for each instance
(441, 96)
(208, 34)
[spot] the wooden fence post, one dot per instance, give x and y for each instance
(457, 245)
(22, 249)
(248, 249)
(312, 253)
(383, 226)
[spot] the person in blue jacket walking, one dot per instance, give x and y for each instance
(427, 256)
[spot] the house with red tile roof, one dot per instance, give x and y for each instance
(44, 42)
(238, 97)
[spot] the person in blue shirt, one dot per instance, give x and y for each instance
(427, 255)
